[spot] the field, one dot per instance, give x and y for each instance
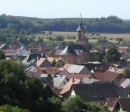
(93, 37)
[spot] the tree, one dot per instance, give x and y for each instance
(20, 90)
(75, 104)
(55, 104)
(127, 72)
(53, 63)
(59, 38)
(112, 55)
(2, 55)
(96, 57)
(59, 64)
(9, 108)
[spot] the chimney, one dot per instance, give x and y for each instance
(73, 79)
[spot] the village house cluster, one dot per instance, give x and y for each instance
(67, 71)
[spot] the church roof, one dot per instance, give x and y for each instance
(68, 51)
(80, 27)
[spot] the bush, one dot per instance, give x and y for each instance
(9, 108)
(59, 38)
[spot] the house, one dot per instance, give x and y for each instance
(107, 76)
(96, 66)
(68, 85)
(125, 51)
(116, 70)
(125, 83)
(87, 80)
(43, 62)
(33, 56)
(95, 92)
(59, 81)
(51, 59)
(55, 81)
(78, 76)
(51, 70)
(120, 104)
(76, 69)
(22, 52)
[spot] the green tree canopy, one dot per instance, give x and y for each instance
(112, 55)
(9, 108)
(2, 55)
(20, 90)
(96, 57)
(75, 104)
(127, 72)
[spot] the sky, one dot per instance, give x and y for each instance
(66, 8)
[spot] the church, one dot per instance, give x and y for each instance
(76, 53)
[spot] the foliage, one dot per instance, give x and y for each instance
(113, 55)
(55, 103)
(9, 108)
(119, 39)
(59, 38)
(75, 104)
(12, 28)
(18, 89)
(2, 55)
(96, 56)
(59, 64)
(127, 72)
(102, 41)
(93, 107)
(53, 62)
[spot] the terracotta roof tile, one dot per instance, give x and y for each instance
(67, 87)
(40, 61)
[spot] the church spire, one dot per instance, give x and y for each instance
(81, 34)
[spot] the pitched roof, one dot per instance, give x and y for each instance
(95, 91)
(67, 66)
(107, 76)
(111, 103)
(48, 80)
(115, 70)
(68, 51)
(75, 68)
(87, 80)
(125, 83)
(50, 70)
(78, 76)
(125, 104)
(33, 56)
(67, 87)
(40, 61)
(51, 59)
(59, 81)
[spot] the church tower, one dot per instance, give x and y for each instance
(81, 35)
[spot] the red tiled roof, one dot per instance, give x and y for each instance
(125, 104)
(67, 66)
(111, 103)
(67, 87)
(50, 70)
(107, 76)
(78, 76)
(51, 59)
(40, 61)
